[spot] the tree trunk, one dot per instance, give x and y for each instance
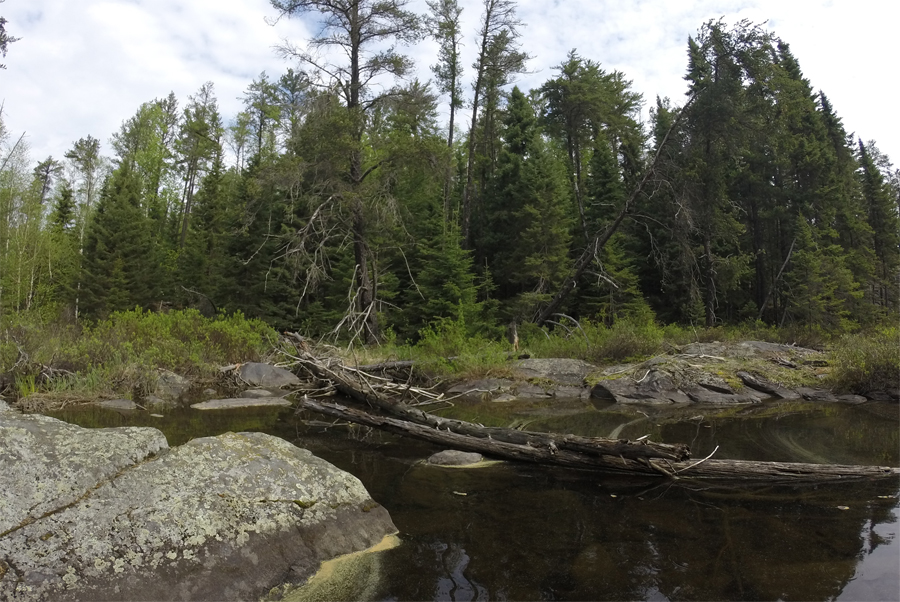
(601, 238)
(607, 456)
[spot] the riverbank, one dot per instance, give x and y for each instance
(147, 356)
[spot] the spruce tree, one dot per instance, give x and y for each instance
(120, 255)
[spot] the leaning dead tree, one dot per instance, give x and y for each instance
(391, 406)
(598, 241)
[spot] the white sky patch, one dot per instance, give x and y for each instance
(82, 68)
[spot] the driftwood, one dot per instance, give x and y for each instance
(611, 456)
(553, 449)
(354, 383)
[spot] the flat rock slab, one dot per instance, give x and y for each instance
(267, 376)
(746, 349)
(257, 394)
(241, 402)
(219, 518)
(452, 457)
(118, 404)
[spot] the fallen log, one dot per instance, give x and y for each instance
(548, 450)
(358, 385)
(622, 457)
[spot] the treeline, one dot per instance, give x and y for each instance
(337, 202)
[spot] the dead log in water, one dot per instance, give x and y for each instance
(359, 385)
(611, 456)
(550, 449)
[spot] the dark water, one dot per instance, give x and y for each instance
(517, 532)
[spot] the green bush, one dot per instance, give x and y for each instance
(448, 348)
(866, 362)
(124, 351)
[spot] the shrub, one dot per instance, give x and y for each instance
(123, 352)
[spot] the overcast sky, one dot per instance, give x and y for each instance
(82, 67)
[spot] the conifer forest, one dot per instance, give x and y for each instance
(341, 201)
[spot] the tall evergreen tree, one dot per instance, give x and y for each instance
(361, 29)
(121, 260)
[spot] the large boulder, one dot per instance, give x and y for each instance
(170, 386)
(219, 518)
(267, 376)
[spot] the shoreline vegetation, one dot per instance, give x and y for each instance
(46, 363)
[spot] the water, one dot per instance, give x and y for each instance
(519, 532)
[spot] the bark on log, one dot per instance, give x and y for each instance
(620, 457)
(347, 382)
(553, 449)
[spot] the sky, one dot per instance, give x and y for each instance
(82, 68)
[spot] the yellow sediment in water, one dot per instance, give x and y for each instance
(353, 576)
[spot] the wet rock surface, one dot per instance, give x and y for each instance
(122, 405)
(452, 457)
(240, 402)
(112, 514)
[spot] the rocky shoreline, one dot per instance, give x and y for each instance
(706, 373)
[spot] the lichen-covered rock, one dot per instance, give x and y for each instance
(219, 518)
(46, 464)
(561, 371)
(656, 386)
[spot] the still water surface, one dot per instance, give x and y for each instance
(517, 532)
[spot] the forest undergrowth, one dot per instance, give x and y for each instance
(123, 354)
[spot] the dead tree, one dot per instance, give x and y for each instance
(613, 456)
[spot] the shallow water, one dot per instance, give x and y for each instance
(519, 532)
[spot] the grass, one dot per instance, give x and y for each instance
(122, 354)
(866, 362)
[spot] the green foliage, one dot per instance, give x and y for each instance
(341, 209)
(627, 340)
(450, 347)
(866, 362)
(127, 348)
(120, 256)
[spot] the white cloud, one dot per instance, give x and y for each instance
(84, 67)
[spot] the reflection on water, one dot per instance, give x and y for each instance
(524, 532)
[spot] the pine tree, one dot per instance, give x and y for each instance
(526, 241)
(881, 213)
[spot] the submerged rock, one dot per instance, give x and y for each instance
(125, 405)
(241, 402)
(86, 517)
(452, 457)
